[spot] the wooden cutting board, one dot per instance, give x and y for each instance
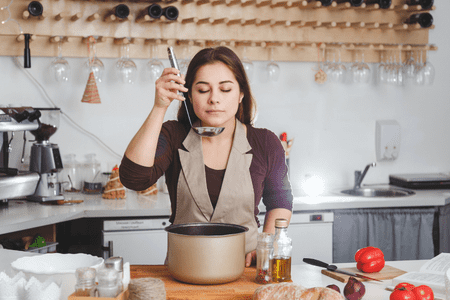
(388, 272)
(241, 289)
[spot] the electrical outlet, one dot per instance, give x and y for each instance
(387, 140)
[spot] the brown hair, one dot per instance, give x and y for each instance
(247, 108)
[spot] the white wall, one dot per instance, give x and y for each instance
(333, 125)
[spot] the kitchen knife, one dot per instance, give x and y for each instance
(333, 268)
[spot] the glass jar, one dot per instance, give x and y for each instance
(264, 255)
(70, 175)
(282, 250)
(108, 283)
(92, 177)
(85, 285)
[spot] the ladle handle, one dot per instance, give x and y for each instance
(174, 64)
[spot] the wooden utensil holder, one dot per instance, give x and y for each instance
(121, 296)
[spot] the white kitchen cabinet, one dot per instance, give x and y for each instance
(138, 241)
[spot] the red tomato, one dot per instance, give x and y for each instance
(423, 292)
(406, 285)
(402, 294)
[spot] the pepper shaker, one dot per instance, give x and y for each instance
(264, 255)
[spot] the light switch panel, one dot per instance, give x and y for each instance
(387, 140)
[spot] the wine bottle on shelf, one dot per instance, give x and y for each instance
(426, 4)
(385, 4)
(35, 8)
(355, 3)
(325, 2)
(154, 11)
(425, 20)
(121, 11)
(170, 12)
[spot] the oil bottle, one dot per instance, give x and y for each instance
(282, 250)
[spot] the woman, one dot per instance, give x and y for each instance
(211, 179)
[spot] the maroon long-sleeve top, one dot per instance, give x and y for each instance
(268, 169)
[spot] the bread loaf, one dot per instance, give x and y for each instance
(321, 293)
(278, 291)
(292, 291)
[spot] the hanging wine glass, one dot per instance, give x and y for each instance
(361, 71)
(126, 67)
(399, 69)
(155, 66)
(184, 63)
(272, 68)
(419, 78)
(391, 70)
(248, 65)
(327, 65)
(339, 71)
(94, 64)
(382, 70)
(428, 71)
(60, 66)
(409, 69)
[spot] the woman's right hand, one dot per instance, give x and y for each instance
(167, 87)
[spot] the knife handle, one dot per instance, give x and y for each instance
(315, 262)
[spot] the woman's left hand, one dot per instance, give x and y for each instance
(250, 258)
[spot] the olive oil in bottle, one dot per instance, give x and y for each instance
(282, 250)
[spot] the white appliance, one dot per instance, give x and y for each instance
(311, 234)
(144, 241)
(138, 241)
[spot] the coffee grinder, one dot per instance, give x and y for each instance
(45, 157)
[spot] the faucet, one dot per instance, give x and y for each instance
(359, 177)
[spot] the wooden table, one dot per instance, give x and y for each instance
(240, 289)
(243, 288)
(306, 275)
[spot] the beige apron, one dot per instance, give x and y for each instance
(236, 203)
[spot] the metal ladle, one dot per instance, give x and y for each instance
(202, 131)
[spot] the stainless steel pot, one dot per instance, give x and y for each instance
(206, 253)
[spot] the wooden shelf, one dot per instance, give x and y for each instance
(294, 28)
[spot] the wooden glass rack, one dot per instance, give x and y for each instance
(296, 30)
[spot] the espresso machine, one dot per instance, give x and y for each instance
(15, 183)
(45, 158)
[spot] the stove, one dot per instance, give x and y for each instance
(421, 181)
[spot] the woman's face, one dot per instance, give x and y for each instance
(215, 95)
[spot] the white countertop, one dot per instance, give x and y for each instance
(19, 214)
(334, 200)
(311, 276)
(305, 275)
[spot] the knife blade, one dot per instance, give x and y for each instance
(334, 268)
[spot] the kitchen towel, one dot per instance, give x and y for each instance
(48, 290)
(12, 288)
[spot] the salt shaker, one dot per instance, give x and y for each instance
(85, 285)
(116, 262)
(108, 283)
(264, 253)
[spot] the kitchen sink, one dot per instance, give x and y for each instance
(378, 192)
